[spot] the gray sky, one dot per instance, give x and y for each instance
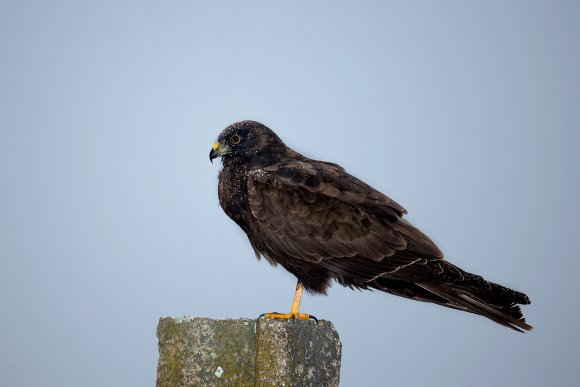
(466, 113)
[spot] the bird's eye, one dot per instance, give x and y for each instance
(235, 139)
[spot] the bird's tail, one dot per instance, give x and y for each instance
(457, 289)
(487, 299)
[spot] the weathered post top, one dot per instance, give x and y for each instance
(206, 352)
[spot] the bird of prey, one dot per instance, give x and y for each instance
(322, 224)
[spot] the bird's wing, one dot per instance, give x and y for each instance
(315, 211)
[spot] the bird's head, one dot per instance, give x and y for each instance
(247, 141)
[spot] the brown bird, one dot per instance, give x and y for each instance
(321, 224)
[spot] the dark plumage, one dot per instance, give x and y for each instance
(321, 223)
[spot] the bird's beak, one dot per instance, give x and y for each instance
(216, 151)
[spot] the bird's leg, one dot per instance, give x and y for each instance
(294, 313)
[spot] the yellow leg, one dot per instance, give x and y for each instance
(294, 314)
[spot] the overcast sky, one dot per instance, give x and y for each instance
(466, 113)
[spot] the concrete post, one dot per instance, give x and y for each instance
(206, 352)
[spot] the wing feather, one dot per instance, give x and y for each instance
(315, 211)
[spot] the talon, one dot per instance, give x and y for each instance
(294, 314)
(266, 315)
(288, 316)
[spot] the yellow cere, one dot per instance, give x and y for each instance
(216, 146)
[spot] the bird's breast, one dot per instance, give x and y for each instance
(233, 195)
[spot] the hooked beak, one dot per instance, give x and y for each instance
(215, 152)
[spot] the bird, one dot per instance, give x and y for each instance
(324, 225)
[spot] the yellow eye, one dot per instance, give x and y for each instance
(235, 139)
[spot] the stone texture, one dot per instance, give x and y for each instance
(297, 353)
(202, 351)
(243, 352)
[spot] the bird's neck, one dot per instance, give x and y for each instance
(233, 192)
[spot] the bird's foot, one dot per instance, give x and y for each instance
(289, 316)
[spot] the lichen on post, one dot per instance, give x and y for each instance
(297, 353)
(203, 351)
